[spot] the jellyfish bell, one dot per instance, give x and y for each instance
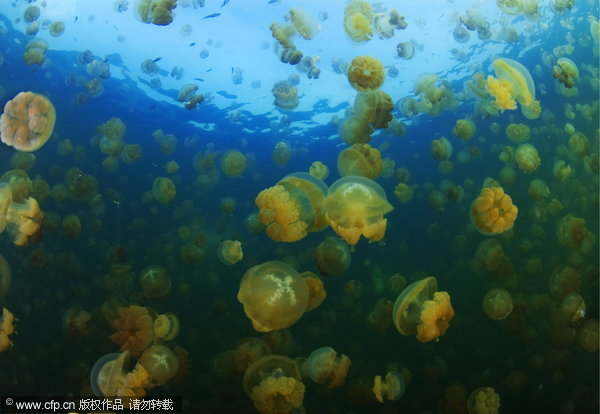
(325, 366)
(391, 387)
(332, 256)
(155, 281)
(160, 363)
(110, 377)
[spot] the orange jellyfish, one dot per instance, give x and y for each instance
(163, 190)
(274, 384)
(325, 366)
(366, 73)
(355, 206)
(497, 304)
(27, 121)
(316, 290)
(390, 387)
(166, 326)
(293, 207)
(6, 329)
(22, 220)
(230, 252)
(493, 211)
(160, 363)
(333, 256)
(360, 159)
(274, 296)
(110, 379)
(421, 309)
(134, 329)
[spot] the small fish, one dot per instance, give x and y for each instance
(224, 3)
(210, 70)
(157, 59)
(210, 16)
(192, 44)
(274, 2)
(76, 17)
(199, 79)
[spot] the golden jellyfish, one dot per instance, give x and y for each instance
(230, 252)
(518, 132)
(281, 153)
(134, 329)
(166, 326)
(527, 158)
(22, 160)
(574, 235)
(155, 281)
(31, 14)
(130, 153)
(76, 321)
(421, 309)
(248, 351)
(316, 290)
(35, 52)
(27, 121)
(56, 29)
(332, 256)
(366, 73)
(565, 71)
(493, 212)
(71, 226)
(579, 145)
(318, 170)
(561, 170)
(564, 280)
(286, 95)
(293, 207)
(391, 387)
(285, 47)
(588, 336)
(483, 400)
(572, 307)
(358, 16)
(274, 296)
(274, 384)
(464, 129)
(355, 130)
(171, 167)
(5, 276)
(160, 363)
(538, 189)
(158, 12)
(233, 164)
(441, 149)
(355, 206)
(22, 220)
(513, 83)
(374, 108)
(403, 192)
(325, 366)
(163, 190)
(228, 205)
(305, 22)
(360, 159)
(497, 304)
(253, 223)
(6, 329)
(109, 377)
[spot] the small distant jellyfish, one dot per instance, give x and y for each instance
(393, 71)
(391, 387)
(86, 56)
(256, 84)
(460, 34)
(308, 65)
(155, 281)
(120, 6)
(204, 54)
(237, 75)
(230, 252)
(56, 29)
(186, 30)
(286, 95)
(405, 50)
(150, 67)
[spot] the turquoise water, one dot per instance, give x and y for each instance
(535, 359)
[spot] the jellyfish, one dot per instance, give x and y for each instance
(130, 153)
(518, 132)
(5, 276)
(561, 6)
(309, 65)
(150, 67)
(305, 22)
(355, 206)
(366, 73)
(484, 400)
(134, 329)
(360, 159)
(237, 75)
(155, 281)
(293, 207)
(286, 95)
(355, 130)
(497, 304)
(108, 377)
(233, 163)
(163, 190)
(460, 34)
(566, 72)
(527, 158)
(406, 50)
(274, 296)
(513, 83)
(27, 121)
(31, 14)
(56, 29)
(22, 220)
(158, 12)
(579, 145)
(403, 192)
(248, 351)
(160, 363)
(76, 321)
(441, 149)
(574, 235)
(325, 366)
(71, 226)
(374, 108)
(316, 290)
(318, 170)
(285, 47)
(6, 329)
(493, 211)
(588, 336)
(166, 326)
(538, 189)
(391, 387)
(358, 16)
(332, 256)
(421, 309)
(464, 129)
(573, 307)
(274, 384)
(230, 252)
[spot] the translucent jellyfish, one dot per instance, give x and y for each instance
(464, 128)
(309, 65)
(318, 170)
(274, 384)
(561, 6)
(366, 73)
(6, 329)
(358, 16)
(248, 351)
(406, 50)
(538, 189)
(460, 34)
(403, 192)
(109, 377)
(56, 29)
(441, 149)
(21, 219)
(160, 363)
(286, 96)
(98, 68)
(513, 84)
(562, 171)
(230, 252)
(354, 130)
(325, 366)
(360, 159)
(527, 158)
(518, 132)
(285, 47)
(35, 52)
(305, 22)
(274, 296)
(158, 12)
(391, 387)
(293, 207)
(493, 211)
(155, 281)
(163, 190)
(484, 400)
(71, 226)
(5, 276)
(421, 309)
(316, 290)
(588, 335)
(564, 280)
(150, 67)
(237, 75)
(76, 321)
(355, 206)
(572, 307)
(134, 329)
(574, 235)
(374, 108)
(579, 145)
(332, 256)
(27, 121)
(566, 72)
(233, 163)
(31, 13)
(497, 304)
(166, 326)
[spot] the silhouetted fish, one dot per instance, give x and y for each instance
(273, 2)
(209, 70)
(210, 16)
(199, 79)
(224, 3)
(157, 59)
(192, 44)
